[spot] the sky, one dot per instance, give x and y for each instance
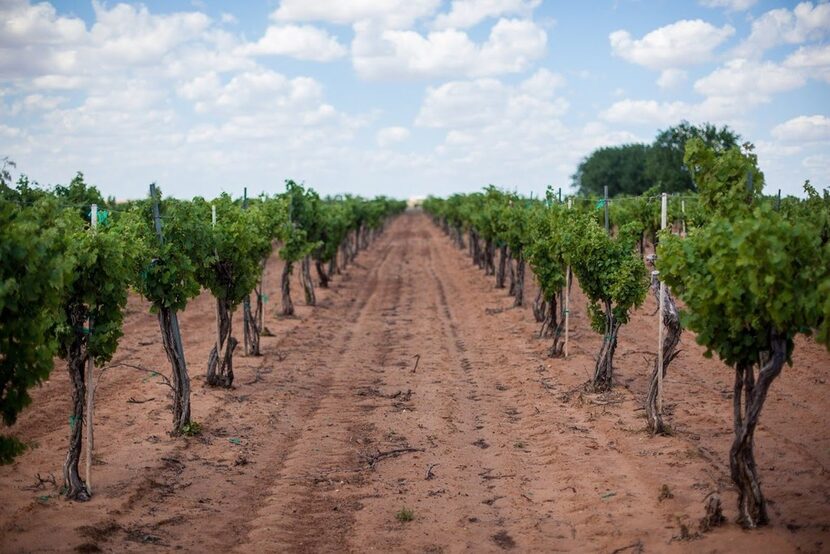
(399, 97)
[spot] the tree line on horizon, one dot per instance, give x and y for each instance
(632, 169)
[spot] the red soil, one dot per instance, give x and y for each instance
(520, 457)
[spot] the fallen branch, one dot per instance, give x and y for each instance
(637, 546)
(41, 482)
(152, 372)
(373, 459)
(132, 400)
(429, 474)
(417, 359)
(488, 477)
(257, 377)
(607, 402)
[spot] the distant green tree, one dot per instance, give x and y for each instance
(664, 165)
(621, 168)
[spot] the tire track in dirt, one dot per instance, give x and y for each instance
(302, 510)
(518, 466)
(601, 473)
(460, 504)
(153, 491)
(521, 457)
(575, 464)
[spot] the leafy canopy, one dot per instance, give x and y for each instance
(751, 270)
(33, 275)
(165, 272)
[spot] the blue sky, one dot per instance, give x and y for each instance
(399, 97)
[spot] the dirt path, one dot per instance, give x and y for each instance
(488, 444)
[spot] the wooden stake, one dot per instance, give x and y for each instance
(683, 221)
(218, 319)
(90, 378)
(246, 302)
(567, 298)
(660, 330)
(607, 228)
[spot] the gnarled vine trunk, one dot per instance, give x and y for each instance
(458, 237)
(252, 319)
(356, 242)
(322, 274)
(344, 253)
(76, 488)
(511, 273)
(748, 399)
(285, 286)
(671, 338)
(252, 322)
(220, 360)
(260, 308)
(250, 333)
(308, 284)
(540, 311)
(501, 272)
(478, 255)
(171, 339)
(604, 370)
(489, 255)
(519, 289)
(556, 325)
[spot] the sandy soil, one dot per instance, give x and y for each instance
(331, 433)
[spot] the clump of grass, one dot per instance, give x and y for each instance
(192, 429)
(404, 515)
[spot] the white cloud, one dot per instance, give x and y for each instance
(391, 13)
(809, 57)
(187, 100)
(671, 78)
(468, 107)
(646, 112)
(542, 84)
(36, 42)
(683, 43)
(804, 128)
(468, 13)
(392, 135)
(509, 135)
(813, 61)
(730, 92)
(26, 25)
(262, 91)
(717, 109)
(9, 132)
(463, 104)
(34, 39)
(131, 35)
(817, 162)
(58, 82)
(303, 42)
(756, 82)
(511, 47)
(39, 102)
(783, 26)
(729, 5)
(131, 71)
